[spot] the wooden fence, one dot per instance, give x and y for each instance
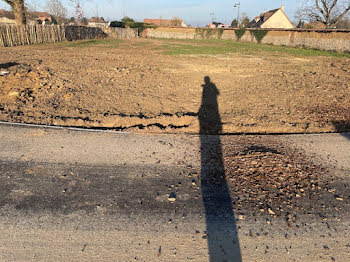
(12, 35)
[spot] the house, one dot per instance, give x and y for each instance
(7, 17)
(218, 25)
(97, 22)
(165, 22)
(272, 19)
(43, 18)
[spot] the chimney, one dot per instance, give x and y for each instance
(282, 8)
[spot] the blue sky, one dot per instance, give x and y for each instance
(194, 12)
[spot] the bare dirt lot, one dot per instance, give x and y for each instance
(156, 86)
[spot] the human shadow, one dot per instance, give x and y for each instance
(222, 237)
(343, 127)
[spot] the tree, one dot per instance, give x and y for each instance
(18, 10)
(234, 23)
(79, 14)
(128, 21)
(328, 12)
(344, 24)
(244, 20)
(57, 9)
(72, 20)
(84, 21)
(176, 22)
(32, 5)
(301, 24)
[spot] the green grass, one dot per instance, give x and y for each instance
(205, 47)
(217, 47)
(141, 43)
(107, 43)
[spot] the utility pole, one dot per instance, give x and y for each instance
(237, 6)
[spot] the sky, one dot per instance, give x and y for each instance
(193, 12)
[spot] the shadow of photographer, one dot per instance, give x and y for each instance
(223, 242)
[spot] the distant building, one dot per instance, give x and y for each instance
(97, 22)
(218, 25)
(315, 25)
(165, 22)
(7, 17)
(272, 19)
(42, 18)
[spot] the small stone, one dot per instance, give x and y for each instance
(326, 247)
(13, 94)
(340, 199)
(3, 73)
(271, 212)
(241, 217)
(172, 197)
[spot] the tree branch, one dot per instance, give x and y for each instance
(319, 8)
(8, 2)
(325, 6)
(333, 5)
(342, 15)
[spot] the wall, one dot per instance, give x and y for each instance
(116, 32)
(335, 40)
(5, 20)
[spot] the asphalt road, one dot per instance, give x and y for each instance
(77, 195)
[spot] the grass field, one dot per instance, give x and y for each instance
(209, 47)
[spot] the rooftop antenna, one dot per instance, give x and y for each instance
(238, 7)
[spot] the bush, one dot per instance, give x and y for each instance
(207, 33)
(240, 32)
(117, 24)
(259, 34)
(141, 26)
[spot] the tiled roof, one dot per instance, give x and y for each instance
(259, 20)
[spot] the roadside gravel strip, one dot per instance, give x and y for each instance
(69, 194)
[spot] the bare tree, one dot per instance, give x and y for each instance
(244, 20)
(18, 10)
(79, 14)
(57, 9)
(328, 12)
(33, 5)
(176, 21)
